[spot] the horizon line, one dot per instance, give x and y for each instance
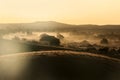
(57, 22)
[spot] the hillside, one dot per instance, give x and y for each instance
(58, 65)
(53, 26)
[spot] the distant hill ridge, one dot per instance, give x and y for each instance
(54, 25)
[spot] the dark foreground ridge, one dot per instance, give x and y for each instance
(58, 65)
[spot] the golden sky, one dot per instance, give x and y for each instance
(67, 11)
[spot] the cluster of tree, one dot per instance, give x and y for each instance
(85, 46)
(104, 41)
(113, 52)
(51, 40)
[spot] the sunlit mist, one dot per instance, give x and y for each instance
(10, 47)
(13, 65)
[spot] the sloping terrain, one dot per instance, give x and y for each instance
(58, 65)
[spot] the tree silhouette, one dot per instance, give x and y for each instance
(104, 41)
(51, 39)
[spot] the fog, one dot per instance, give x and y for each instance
(67, 52)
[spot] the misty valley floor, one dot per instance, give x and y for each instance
(23, 56)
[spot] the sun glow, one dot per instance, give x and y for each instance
(67, 11)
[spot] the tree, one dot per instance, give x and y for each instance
(104, 41)
(51, 39)
(60, 36)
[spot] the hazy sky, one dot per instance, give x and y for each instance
(68, 11)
